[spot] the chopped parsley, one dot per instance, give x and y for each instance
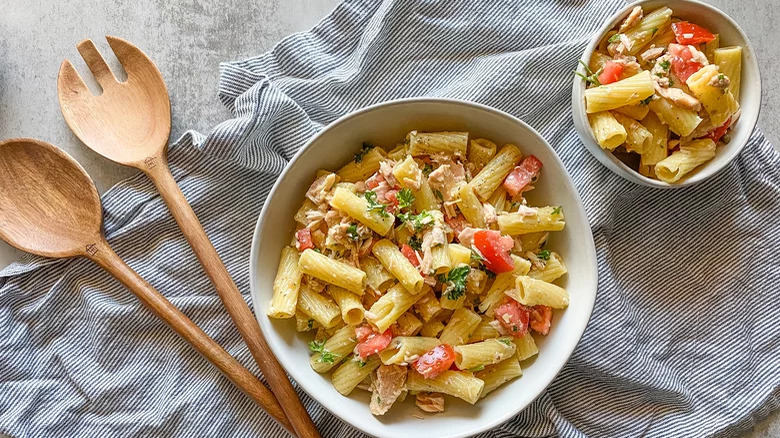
(363, 151)
(615, 38)
(665, 64)
(417, 221)
(671, 82)
(427, 169)
(544, 254)
(325, 355)
(352, 232)
(438, 195)
(405, 199)
(557, 210)
(505, 341)
(477, 368)
(591, 78)
(374, 205)
(475, 256)
(361, 363)
(646, 101)
(721, 77)
(318, 250)
(415, 243)
(654, 30)
(455, 281)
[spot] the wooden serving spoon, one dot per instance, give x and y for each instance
(129, 123)
(50, 207)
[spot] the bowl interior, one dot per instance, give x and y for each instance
(385, 125)
(749, 98)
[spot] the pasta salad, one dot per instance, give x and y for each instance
(423, 270)
(662, 94)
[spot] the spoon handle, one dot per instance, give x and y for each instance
(105, 257)
(231, 298)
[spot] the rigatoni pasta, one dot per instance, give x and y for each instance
(405, 266)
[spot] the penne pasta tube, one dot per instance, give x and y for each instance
(659, 137)
(681, 121)
(319, 308)
(334, 350)
(358, 208)
(425, 199)
(470, 206)
(531, 220)
(636, 111)
(638, 138)
(407, 325)
(525, 347)
(350, 304)
(639, 35)
(496, 375)
(481, 354)
(706, 84)
(286, 286)
(492, 175)
(304, 322)
(729, 62)
(390, 307)
(553, 269)
(483, 331)
(347, 377)
(459, 254)
(408, 173)
(532, 292)
(404, 350)
(432, 328)
(397, 264)
(480, 152)
(503, 282)
(428, 306)
(608, 131)
(332, 271)
(628, 91)
(460, 384)
(430, 143)
(458, 330)
(672, 168)
(360, 171)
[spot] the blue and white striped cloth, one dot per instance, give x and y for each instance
(685, 336)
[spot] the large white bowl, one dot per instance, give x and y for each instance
(385, 124)
(749, 96)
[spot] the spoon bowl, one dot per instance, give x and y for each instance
(50, 206)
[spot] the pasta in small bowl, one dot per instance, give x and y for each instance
(667, 92)
(424, 266)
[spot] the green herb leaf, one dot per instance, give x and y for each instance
(456, 282)
(505, 341)
(374, 205)
(316, 346)
(438, 195)
(475, 256)
(477, 368)
(614, 38)
(591, 78)
(544, 254)
(361, 363)
(665, 64)
(352, 232)
(557, 210)
(418, 221)
(654, 30)
(427, 169)
(415, 243)
(366, 147)
(325, 355)
(405, 199)
(646, 101)
(671, 82)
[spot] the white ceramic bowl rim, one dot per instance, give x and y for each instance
(586, 240)
(703, 172)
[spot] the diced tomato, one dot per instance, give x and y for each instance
(493, 248)
(391, 196)
(454, 367)
(514, 317)
(522, 175)
(541, 317)
(371, 342)
(457, 223)
(691, 34)
(410, 254)
(720, 131)
(374, 181)
(304, 239)
(683, 64)
(435, 361)
(611, 72)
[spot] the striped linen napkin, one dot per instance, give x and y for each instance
(684, 339)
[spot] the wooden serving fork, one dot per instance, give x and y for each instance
(129, 123)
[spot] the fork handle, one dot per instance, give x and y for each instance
(231, 298)
(102, 254)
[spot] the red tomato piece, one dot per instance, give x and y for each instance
(374, 181)
(720, 131)
(303, 236)
(691, 34)
(514, 317)
(371, 342)
(493, 248)
(683, 64)
(410, 254)
(522, 175)
(541, 318)
(611, 72)
(457, 223)
(391, 196)
(435, 361)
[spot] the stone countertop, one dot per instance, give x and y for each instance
(188, 38)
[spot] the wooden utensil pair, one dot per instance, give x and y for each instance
(53, 208)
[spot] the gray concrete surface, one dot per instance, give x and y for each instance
(188, 38)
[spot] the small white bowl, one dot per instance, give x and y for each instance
(749, 100)
(385, 124)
